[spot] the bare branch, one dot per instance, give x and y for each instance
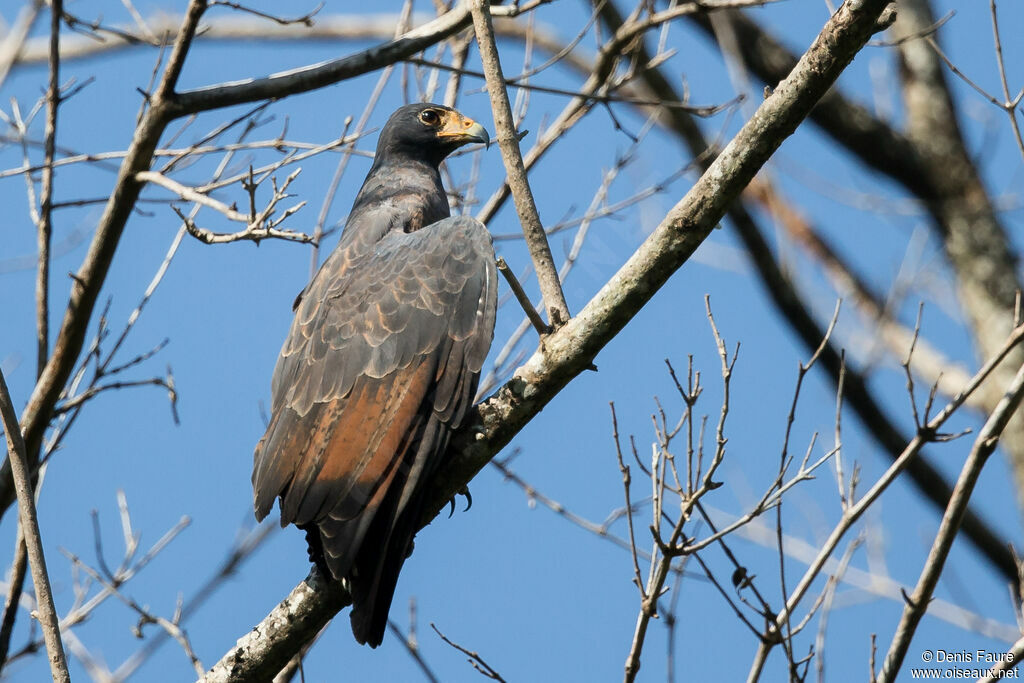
(626, 482)
(1009, 661)
(523, 299)
(262, 652)
(917, 603)
(319, 75)
(927, 359)
(163, 106)
(305, 20)
(170, 626)
(45, 225)
(33, 542)
(16, 37)
(16, 582)
(878, 146)
(474, 658)
(571, 349)
(508, 141)
(854, 512)
(411, 643)
(90, 277)
(259, 226)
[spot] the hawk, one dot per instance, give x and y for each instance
(380, 365)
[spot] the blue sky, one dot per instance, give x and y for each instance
(539, 598)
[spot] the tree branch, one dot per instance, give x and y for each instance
(33, 541)
(316, 76)
(164, 106)
(786, 298)
(917, 604)
(508, 141)
(16, 582)
(45, 227)
(265, 650)
(853, 512)
(932, 162)
(975, 240)
(571, 349)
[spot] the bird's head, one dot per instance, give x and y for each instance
(427, 132)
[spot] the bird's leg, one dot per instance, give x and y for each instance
(315, 549)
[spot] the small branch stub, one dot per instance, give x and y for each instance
(524, 301)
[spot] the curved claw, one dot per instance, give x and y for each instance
(464, 491)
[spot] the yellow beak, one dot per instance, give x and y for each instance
(464, 129)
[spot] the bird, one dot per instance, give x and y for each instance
(381, 365)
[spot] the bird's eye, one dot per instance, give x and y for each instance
(429, 117)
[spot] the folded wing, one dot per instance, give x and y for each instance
(379, 367)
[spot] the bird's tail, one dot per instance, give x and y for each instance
(389, 541)
(373, 588)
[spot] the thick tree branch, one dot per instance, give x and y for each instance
(92, 274)
(260, 654)
(975, 240)
(319, 75)
(784, 295)
(932, 162)
(572, 348)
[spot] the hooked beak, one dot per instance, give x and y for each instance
(464, 130)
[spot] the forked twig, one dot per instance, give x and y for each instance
(474, 657)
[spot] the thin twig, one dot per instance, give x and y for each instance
(16, 582)
(474, 658)
(854, 511)
(697, 110)
(412, 644)
(171, 626)
(583, 336)
(1009, 105)
(88, 281)
(626, 480)
(45, 226)
(917, 603)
